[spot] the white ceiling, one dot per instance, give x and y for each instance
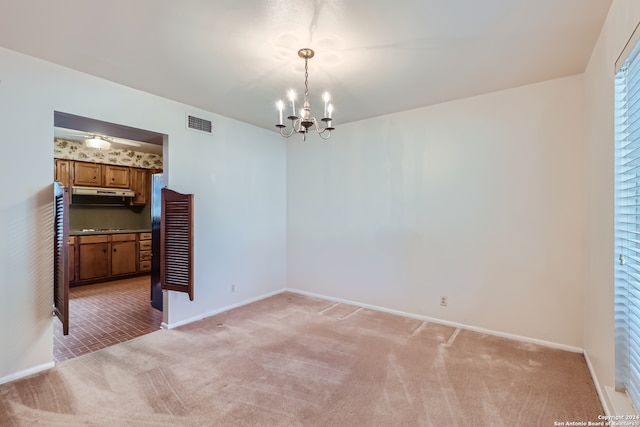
(236, 58)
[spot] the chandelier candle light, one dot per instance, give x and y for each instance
(305, 121)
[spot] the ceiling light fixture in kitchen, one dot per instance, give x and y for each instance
(97, 142)
(305, 121)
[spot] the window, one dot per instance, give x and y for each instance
(627, 225)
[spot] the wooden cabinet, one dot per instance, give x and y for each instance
(123, 254)
(63, 172)
(87, 174)
(140, 184)
(103, 257)
(115, 176)
(72, 259)
(144, 253)
(99, 175)
(93, 257)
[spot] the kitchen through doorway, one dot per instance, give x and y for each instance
(107, 170)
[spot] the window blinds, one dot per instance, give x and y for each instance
(627, 226)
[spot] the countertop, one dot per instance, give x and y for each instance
(85, 232)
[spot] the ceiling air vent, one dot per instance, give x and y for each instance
(196, 123)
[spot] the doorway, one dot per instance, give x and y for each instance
(106, 312)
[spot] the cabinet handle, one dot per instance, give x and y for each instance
(115, 250)
(104, 251)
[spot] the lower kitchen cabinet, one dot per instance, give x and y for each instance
(123, 254)
(144, 255)
(93, 257)
(72, 258)
(103, 257)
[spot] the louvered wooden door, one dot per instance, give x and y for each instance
(176, 242)
(61, 255)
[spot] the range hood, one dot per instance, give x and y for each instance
(99, 191)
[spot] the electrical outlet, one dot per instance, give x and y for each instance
(233, 287)
(443, 301)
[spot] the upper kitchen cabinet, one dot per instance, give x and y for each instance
(116, 176)
(99, 175)
(87, 174)
(63, 172)
(140, 184)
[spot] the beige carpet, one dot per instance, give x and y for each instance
(292, 360)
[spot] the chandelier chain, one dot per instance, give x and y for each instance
(306, 78)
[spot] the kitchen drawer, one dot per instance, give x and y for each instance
(94, 238)
(124, 237)
(145, 245)
(145, 255)
(145, 265)
(145, 236)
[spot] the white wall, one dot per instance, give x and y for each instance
(237, 175)
(481, 200)
(599, 116)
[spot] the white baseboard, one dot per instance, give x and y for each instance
(601, 392)
(445, 322)
(164, 325)
(614, 403)
(27, 372)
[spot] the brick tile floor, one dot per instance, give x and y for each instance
(105, 314)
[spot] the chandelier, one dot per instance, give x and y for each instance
(302, 123)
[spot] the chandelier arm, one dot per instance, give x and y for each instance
(318, 128)
(286, 135)
(325, 137)
(293, 129)
(320, 131)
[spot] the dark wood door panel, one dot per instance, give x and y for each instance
(61, 255)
